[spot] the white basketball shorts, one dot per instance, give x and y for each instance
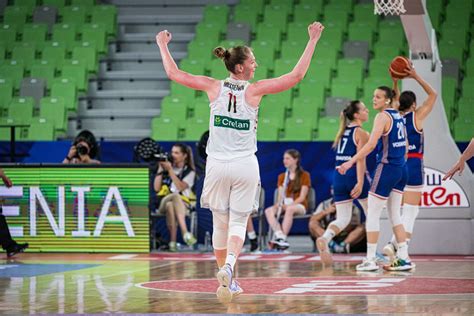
(231, 185)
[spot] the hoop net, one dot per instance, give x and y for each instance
(386, 7)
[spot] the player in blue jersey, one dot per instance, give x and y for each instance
(354, 184)
(414, 117)
(388, 180)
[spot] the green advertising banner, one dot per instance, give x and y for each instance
(65, 208)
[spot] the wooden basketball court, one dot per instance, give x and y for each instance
(273, 283)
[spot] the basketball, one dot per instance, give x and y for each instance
(398, 67)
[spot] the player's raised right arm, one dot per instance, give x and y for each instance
(174, 73)
(425, 109)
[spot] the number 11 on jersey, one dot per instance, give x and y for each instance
(231, 96)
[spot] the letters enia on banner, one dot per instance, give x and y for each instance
(37, 199)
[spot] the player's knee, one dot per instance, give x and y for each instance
(220, 230)
(374, 211)
(342, 222)
(238, 224)
(220, 221)
(394, 217)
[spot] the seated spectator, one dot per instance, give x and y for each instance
(351, 239)
(83, 150)
(293, 188)
(173, 183)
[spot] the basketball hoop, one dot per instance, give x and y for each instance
(386, 7)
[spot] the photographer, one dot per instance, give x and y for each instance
(83, 150)
(173, 184)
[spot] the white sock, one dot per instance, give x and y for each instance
(230, 260)
(252, 235)
(371, 250)
(402, 252)
(279, 235)
(329, 234)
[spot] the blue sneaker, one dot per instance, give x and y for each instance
(381, 259)
(399, 265)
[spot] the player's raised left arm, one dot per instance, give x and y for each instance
(287, 81)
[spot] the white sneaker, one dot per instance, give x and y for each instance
(367, 265)
(324, 252)
(279, 243)
(227, 294)
(224, 277)
(390, 251)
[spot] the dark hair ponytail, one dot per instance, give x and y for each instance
(407, 99)
(346, 116)
(232, 57)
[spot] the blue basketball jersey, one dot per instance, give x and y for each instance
(347, 147)
(343, 184)
(415, 136)
(391, 146)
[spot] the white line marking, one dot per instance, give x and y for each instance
(249, 257)
(286, 258)
(122, 257)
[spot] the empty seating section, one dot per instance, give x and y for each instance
(48, 50)
(452, 20)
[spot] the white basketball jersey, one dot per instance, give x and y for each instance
(233, 123)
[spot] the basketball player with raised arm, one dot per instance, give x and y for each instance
(414, 117)
(232, 178)
(388, 180)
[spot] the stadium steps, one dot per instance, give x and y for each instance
(131, 82)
